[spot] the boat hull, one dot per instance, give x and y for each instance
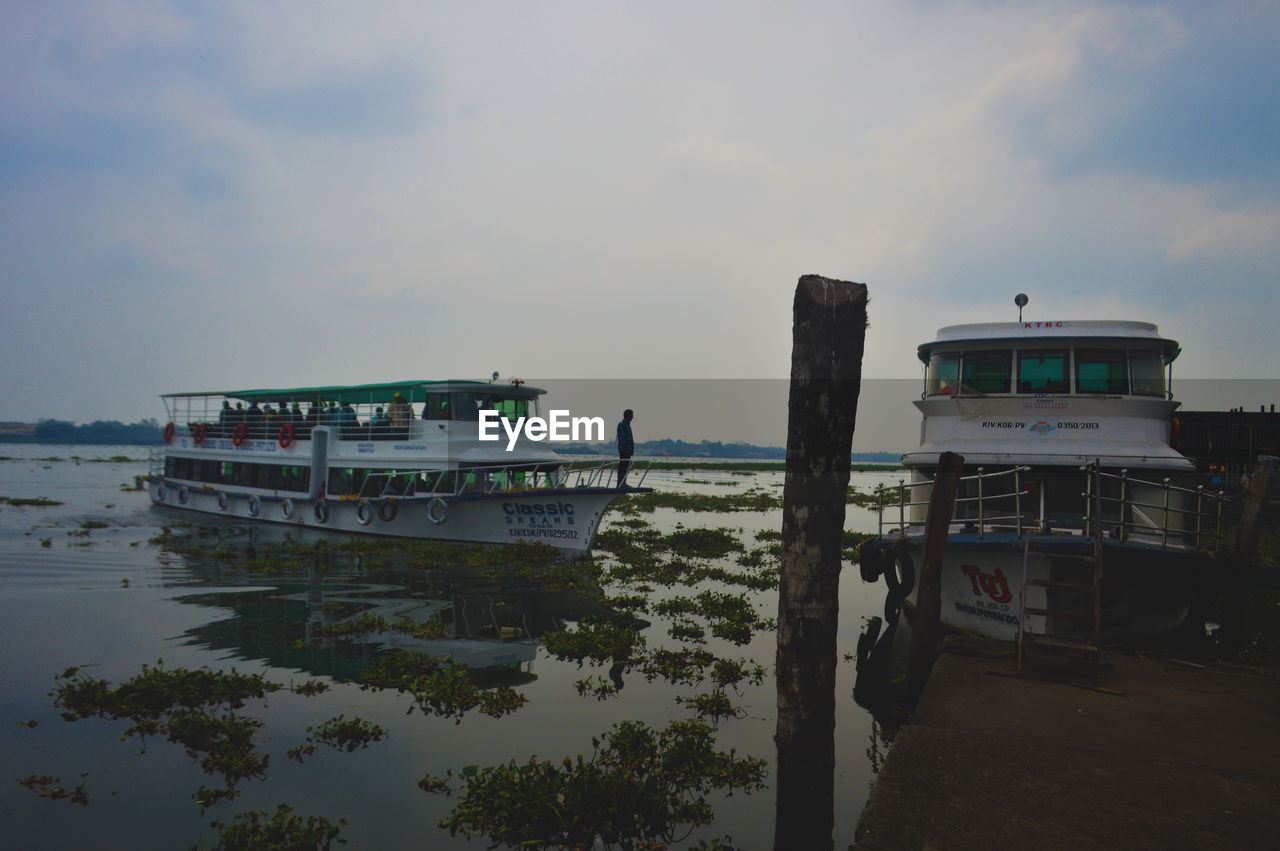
(1146, 592)
(565, 518)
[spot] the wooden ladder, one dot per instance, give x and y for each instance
(1090, 614)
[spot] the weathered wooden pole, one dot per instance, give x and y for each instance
(924, 634)
(828, 332)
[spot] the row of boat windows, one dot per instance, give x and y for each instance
(1095, 371)
(276, 477)
(342, 481)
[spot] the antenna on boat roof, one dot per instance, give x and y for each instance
(1021, 300)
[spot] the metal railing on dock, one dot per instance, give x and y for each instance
(1154, 513)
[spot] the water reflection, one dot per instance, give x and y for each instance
(337, 609)
(881, 686)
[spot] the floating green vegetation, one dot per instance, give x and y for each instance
(703, 543)
(754, 499)
(714, 705)
(373, 624)
(93, 524)
(36, 501)
(439, 687)
(50, 787)
(598, 641)
(852, 544)
(730, 616)
(339, 734)
(310, 688)
(193, 709)
(856, 497)
(638, 558)
(281, 830)
(638, 789)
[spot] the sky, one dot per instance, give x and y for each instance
(202, 196)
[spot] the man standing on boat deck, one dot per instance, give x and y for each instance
(626, 446)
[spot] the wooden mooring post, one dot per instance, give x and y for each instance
(828, 332)
(925, 631)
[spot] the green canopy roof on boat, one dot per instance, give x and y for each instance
(412, 391)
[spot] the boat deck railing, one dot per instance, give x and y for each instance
(475, 481)
(1152, 513)
(433, 482)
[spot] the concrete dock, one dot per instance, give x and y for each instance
(1160, 755)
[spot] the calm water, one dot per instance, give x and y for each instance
(112, 599)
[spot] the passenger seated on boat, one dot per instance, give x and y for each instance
(380, 425)
(347, 421)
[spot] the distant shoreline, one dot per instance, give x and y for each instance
(147, 433)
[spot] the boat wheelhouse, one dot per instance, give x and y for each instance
(423, 459)
(1068, 436)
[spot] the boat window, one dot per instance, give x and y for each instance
(1042, 372)
(1148, 373)
(1101, 371)
(987, 372)
(511, 409)
(465, 406)
(340, 480)
(944, 374)
(437, 407)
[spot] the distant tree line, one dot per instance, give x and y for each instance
(100, 432)
(707, 449)
(148, 433)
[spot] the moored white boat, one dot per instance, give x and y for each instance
(403, 459)
(1068, 435)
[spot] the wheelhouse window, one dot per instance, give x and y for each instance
(987, 371)
(1148, 373)
(944, 374)
(437, 407)
(1102, 371)
(1042, 371)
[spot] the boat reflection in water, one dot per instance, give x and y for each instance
(320, 605)
(884, 652)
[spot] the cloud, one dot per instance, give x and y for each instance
(305, 193)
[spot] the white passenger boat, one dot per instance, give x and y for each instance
(402, 459)
(1069, 439)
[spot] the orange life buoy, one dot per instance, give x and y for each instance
(168, 433)
(197, 434)
(237, 436)
(286, 435)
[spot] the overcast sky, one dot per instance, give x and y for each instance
(236, 194)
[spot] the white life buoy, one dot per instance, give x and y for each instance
(286, 508)
(438, 511)
(322, 511)
(183, 495)
(255, 505)
(160, 493)
(223, 501)
(364, 512)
